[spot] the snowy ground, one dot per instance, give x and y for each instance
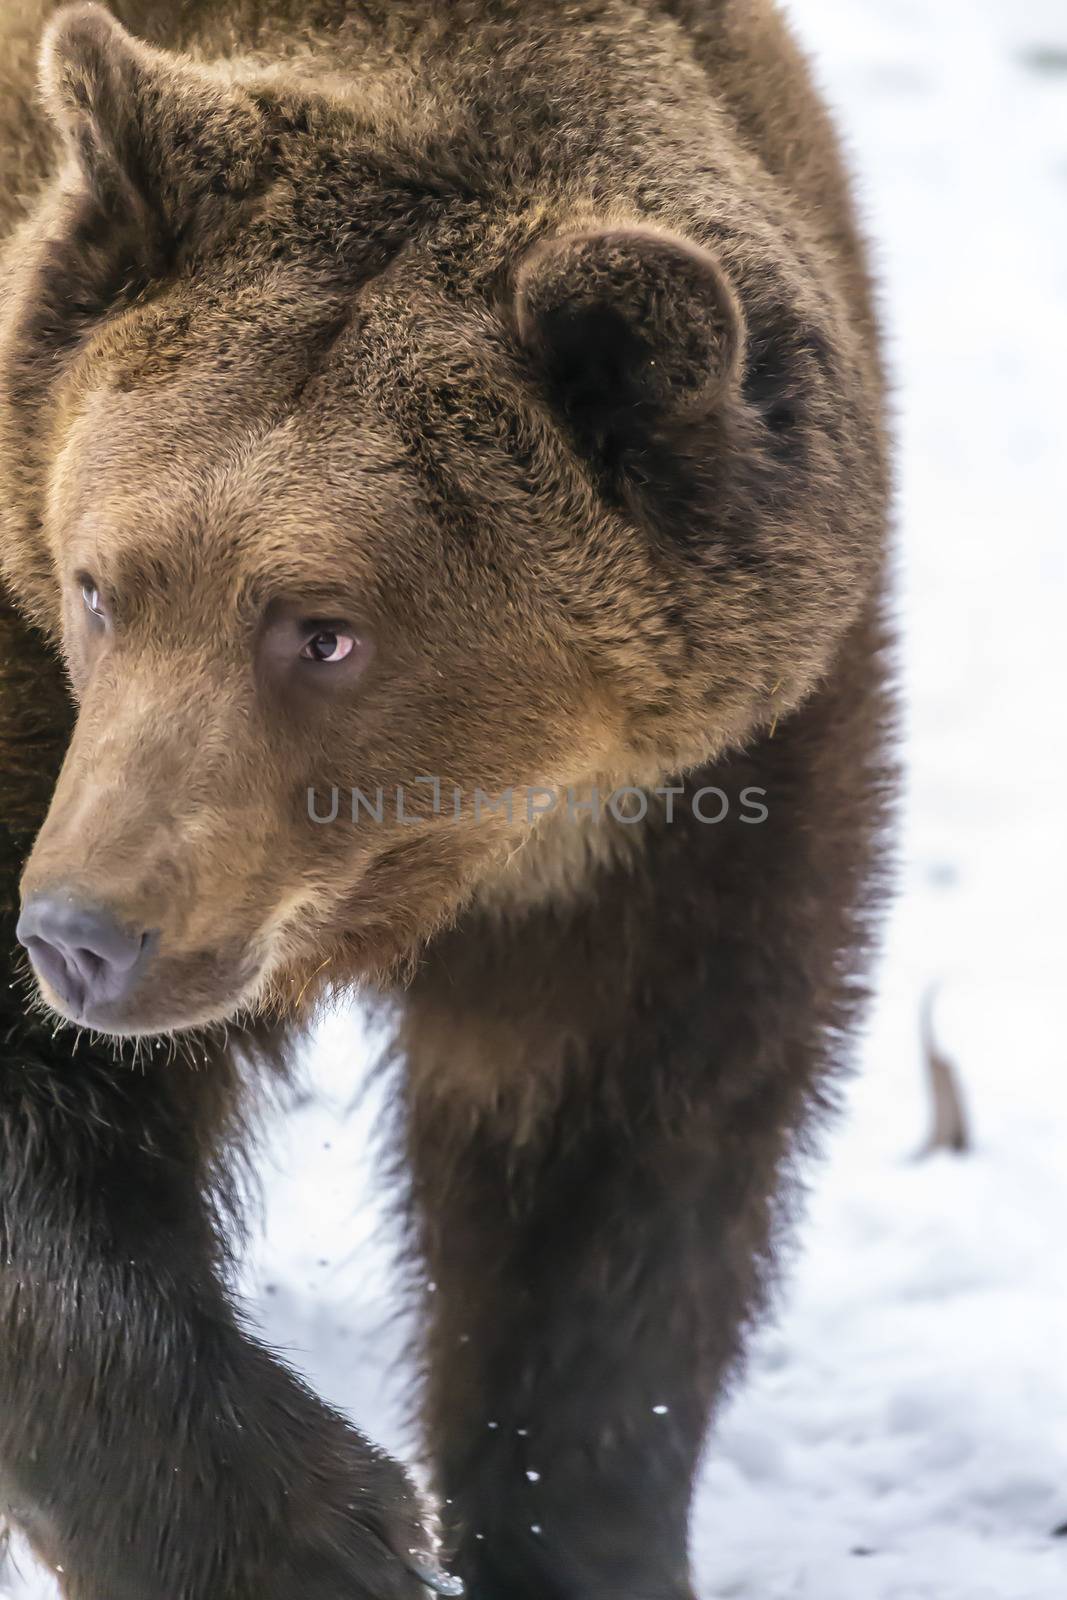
(902, 1434)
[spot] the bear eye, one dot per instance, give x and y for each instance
(312, 651)
(93, 598)
(328, 647)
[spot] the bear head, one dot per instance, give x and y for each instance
(358, 495)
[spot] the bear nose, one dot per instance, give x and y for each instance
(81, 949)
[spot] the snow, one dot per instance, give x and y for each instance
(902, 1431)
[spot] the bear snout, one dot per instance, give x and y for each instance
(83, 951)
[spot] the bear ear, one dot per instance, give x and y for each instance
(148, 130)
(631, 326)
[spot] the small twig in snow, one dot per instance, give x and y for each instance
(951, 1129)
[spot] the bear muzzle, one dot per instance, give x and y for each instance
(83, 952)
(105, 967)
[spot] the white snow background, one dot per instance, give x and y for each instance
(902, 1430)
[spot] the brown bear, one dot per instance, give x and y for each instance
(443, 485)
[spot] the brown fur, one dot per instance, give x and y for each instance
(535, 346)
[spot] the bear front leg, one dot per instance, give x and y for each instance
(593, 1246)
(586, 1304)
(149, 1447)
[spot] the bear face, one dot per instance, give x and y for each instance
(328, 475)
(209, 536)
